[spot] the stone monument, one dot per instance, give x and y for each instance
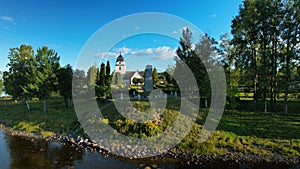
(148, 85)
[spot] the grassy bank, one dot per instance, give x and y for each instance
(239, 132)
(58, 118)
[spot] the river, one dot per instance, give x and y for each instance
(23, 153)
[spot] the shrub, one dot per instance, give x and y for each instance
(28, 127)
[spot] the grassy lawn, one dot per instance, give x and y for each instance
(57, 119)
(241, 131)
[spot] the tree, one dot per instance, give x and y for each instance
(103, 81)
(290, 36)
(65, 77)
(47, 61)
(265, 43)
(274, 22)
(184, 55)
(140, 80)
(78, 81)
(206, 50)
(20, 79)
(194, 58)
(154, 77)
(1, 83)
(244, 29)
(231, 72)
(108, 79)
(135, 81)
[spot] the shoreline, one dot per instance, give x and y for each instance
(185, 158)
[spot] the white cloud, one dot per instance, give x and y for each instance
(7, 19)
(136, 28)
(193, 46)
(213, 15)
(124, 50)
(164, 53)
(107, 55)
(159, 53)
(179, 30)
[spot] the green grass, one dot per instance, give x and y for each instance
(240, 131)
(57, 119)
(262, 125)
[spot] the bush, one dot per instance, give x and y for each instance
(27, 127)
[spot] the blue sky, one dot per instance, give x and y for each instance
(66, 26)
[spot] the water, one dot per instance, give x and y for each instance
(21, 153)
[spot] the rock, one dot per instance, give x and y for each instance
(148, 85)
(142, 165)
(154, 166)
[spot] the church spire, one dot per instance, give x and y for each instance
(120, 58)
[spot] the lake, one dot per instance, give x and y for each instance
(24, 153)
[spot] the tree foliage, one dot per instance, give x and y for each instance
(47, 66)
(65, 77)
(29, 75)
(17, 80)
(103, 81)
(265, 39)
(193, 56)
(1, 84)
(154, 77)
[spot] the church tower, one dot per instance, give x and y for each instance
(120, 65)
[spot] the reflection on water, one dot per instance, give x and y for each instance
(4, 152)
(20, 153)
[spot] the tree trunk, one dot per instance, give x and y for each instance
(28, 105)
(255, 78)
(265, 71)
(274, 77)
(69, 103)
(287, 77)
(45, 106)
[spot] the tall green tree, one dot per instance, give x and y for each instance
(266, 43)
(135, 81)
(19, 80)
(101, 87)
(193, 57)
(78, 81)
(290, 36)
(275, 44)
(1, 83)
(184, 56)
(154, 77)
(65, 77)
(226, 50)
(245, 33)
(206, 50)
(47, 61)
(108, 79)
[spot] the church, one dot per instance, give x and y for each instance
(126, 76)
